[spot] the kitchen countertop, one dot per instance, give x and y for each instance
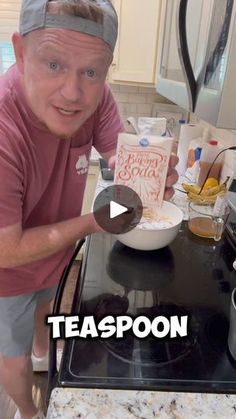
(94, 157)
(81, 403)
(72, 403)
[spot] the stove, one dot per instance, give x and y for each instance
(192, 276)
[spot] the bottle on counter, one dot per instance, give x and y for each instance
(208, 154)
(176, 128)
(194, 154)
(188, 132)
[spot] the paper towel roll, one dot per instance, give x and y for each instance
(187, 133)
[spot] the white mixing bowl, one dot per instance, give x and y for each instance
(141, 239)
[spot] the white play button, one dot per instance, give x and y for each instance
(116, 209)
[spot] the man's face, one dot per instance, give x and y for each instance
(63, 75)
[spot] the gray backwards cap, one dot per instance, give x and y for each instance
(34, 16)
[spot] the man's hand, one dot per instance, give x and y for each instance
(116, 225)
(172, 175)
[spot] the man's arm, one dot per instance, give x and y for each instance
(19, 247)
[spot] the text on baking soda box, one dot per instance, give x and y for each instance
(142, 164)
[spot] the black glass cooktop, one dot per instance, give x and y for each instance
(193, 277)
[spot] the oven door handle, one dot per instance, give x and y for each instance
(52, 367)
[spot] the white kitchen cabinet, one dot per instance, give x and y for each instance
(136, 50)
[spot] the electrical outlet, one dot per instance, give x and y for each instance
(172, 113)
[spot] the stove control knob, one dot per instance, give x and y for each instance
(234, 265)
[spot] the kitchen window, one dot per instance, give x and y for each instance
(9, 18)
(7, 56)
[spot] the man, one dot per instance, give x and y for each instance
(54, 107)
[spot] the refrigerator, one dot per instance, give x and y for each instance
(197, 58)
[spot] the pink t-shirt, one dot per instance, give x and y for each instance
(42, 178)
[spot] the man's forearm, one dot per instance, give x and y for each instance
(41, 242)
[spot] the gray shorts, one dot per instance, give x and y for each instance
(17, 320)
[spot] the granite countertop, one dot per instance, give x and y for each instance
(70, 403)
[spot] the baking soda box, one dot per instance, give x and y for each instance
(141, 164)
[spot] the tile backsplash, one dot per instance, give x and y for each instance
(136, 101)
(144, 101)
